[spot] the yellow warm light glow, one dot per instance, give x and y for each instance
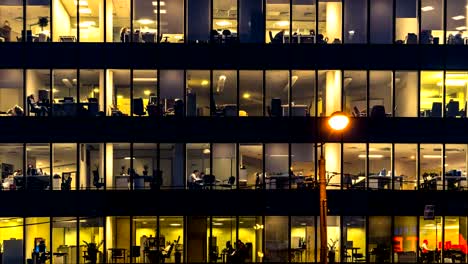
(453, 82)
(145, 21)
(283, 23)
(338, 121)
(204, 82)
(96, 90)
(85, 11)
(119, 96)
(54, 90)
(223, 23)
(81, 2)
(246, 96)
(147, 92)
(371, 156)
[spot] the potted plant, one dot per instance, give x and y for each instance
(43, 22)
(332, 250)
(92, 251)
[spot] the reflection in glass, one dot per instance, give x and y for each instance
(431, 93)
(224, 93)
(381, 21)
(455, 235)
(379, 244)
(455, 167)
(251, 166)
(250, 93)
(405, 240)
(406, 166)
(198, 21)
(276, 239)
(198, 93)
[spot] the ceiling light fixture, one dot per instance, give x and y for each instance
(205, 82)
(81, 2)
(461, 28)
(427, 8)
(175, 224)
(96, 90)
(371, 156)
(147, 92)
(206, 151)
(432, 156)
(453, 82)
(223, 23)
(145, 21)
(246, 96)
(459, 17)
(128, 158)
(155, 3)
(163, 11)
(145, 79)
(282, 23)
(84, 11)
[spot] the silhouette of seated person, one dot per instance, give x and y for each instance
(321, 39)
(228, 251)
(278, 38)
(425, 253)
(35, 108)
(40, 253)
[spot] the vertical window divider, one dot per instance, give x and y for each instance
(442, 229)
(368, 93)
(185, 235)
(342, 21)
(158, 93)
(316, 29)
(132, 237)
(290, 172)
(265, 37)
(131, 92)
(315, 260)
(51, 93)
(51, 250)
(237, 165)
(104, 167)
(158, 37)
(24, 236)
(25, 96)
(78, 23)
(185, 92)
(105, 70)
(78, 239)
(393, 175)
(210, 242)
(392, 235)
(158, 233)
(341, 162)
(185, 166)
(419, 94)
(264, 92)
(131, 21)
(24, 35)
(78, 74)
(51, 2)
(211, 40)
(290, 32)
(78, 171)
(367, 166)
(237, 227)
(342, 89)
(289, 238)
(104, 229)
(444, 92)
(185, 32)
(104, 15)
(51, 166)
(418, 165)
(417, 235)
(158, 164)
(444, 185)
(316, 91)
(418, 8)
(367, 237)
(445, 28)
(290, 90)
(238, 39)
(132, 171)
(212, 102)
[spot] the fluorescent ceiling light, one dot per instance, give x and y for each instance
(81, 2)
(155, 3)
(217, 224)
(87, 24)
(432, 156)
(453, 82)
(85, 11)
(119, 96)
(222, 77)
(145, 21)
(175, 224)
(427, 8)
(371, 156)
(127, 158)
(145, 79)
(351, 32)
(460, 17)
(279, 155)
(204, 82)
(223, 23)
(456, 75)
(246, 96)
(282, 23)
(206, 151)
(163, 11)
(461, 28)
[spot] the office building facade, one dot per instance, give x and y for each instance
(137, 131)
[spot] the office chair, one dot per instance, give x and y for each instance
(135, 253)
(436, 109)
(138, 108)
(117, 254)
(270, 34)
(378, 111)
(229, 183)
(356, 112)
(453, 109)
(97, 181)
(208, 181)
(276, 107)
(179, 108)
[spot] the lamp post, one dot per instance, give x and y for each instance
(338, 121)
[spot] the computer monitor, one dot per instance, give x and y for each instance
(153, 99)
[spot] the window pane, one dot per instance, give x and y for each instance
(251, 21)
(277, 166)
(199, 21)
(430, 238)
(37, 237)
(91, 21)
(380, 93)
(381, 21)
(380, 232)
(38, 19)
(432, 22)
(145, 165)
(118, 21)
(144, 93)
(277, 21)
(225, 93)
(455, 233)
(303, 245)
(333, 165)
(223, 236)
(303, 165)
(11, 14)
(64, 238)
(456, 22)
(11, 158)
(380, 166)
(145, 29)
(354, 166)
(406, 94)
(355, 93)
(198, 164)
(92, 166)
(118, 92)
(354, 229)
(251, 93)
(406, 21)
(251, 166)
(64, 93)
(405, 240)
(329, 92)
(117, 238)
(171, 165)
(64, 166)
(431, 93)
(333, 235)
(11, 92)
(172, 231)
(303, 20)
(330, 20)
(118, 165)
(12, 239)
(455, 167)
(38, 167)
(250, 233)
(455, 94)
(406, 166)
(172, 21)
(355, 15)
(198, 93)
(91, 92)
(145, 236)
(64, 23)
(224, 21)
(172, 92)
(276, 92)
(224, 165)
(430, 166)
(276, 239)
(92, 236)
(303, 93)
(38, 92)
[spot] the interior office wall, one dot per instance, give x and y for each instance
(109, 21)
(332, 92)
(61, 22)
(333, 163)
(224, 161)
(381, 21)
(109, 165)
(406, 94)
(109, 86)
(276, 239)
(334, 20)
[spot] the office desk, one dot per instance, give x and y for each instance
(33, 182)
(281, 181)
(59, 258)
(299, 39)
(353, 252)
(297, 110)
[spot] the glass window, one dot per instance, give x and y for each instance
(145, 237)
(222, 239)
(64, 93)
(455, 234)
(251, 166)
(276, 239)
(432, 22)
(330, 21)
(354, 166)
(406, 94)
(251, 93)
(118, 21)
(11, 158)
(119, 166)
(329, 92)
(198, 21)
(354, 247)
(251, 21)
(333, 166)
(64, 238)
(172, 232)
(145, 21)
(406, 166)
(379, 244)
(145, 166)
(277, 171)
(406, 21)
(198, 164)
(455, 167)
(38, 92)
(355, 16)
(303, 93)
(277, 21)
(37, 238)
(64, 166)
(171, 21)
(276, 93)
(333, 235)
(172, 92)
(303, 166)
(92, 166)
(303, 21)
(64, 23)
(455, 94)
(91, 92)
(380, 166)
(224, 93)
(430, 239)
(38, 20)
(250, 232)
(91, 20)
(303, 245)
(118, 239)
(405, 239)
(92, 239)
(118, 92)
(171, 165)
(12, 239)
(198, 93)
(11, 15)
(11, 92)
(380, 93)
(431, 93)
(197, 234)
(456, 22)
(355, 93)
(38, 167)
(224, 21)
(381, 21)
(145, 101)
(430, 164)
(224, 165)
